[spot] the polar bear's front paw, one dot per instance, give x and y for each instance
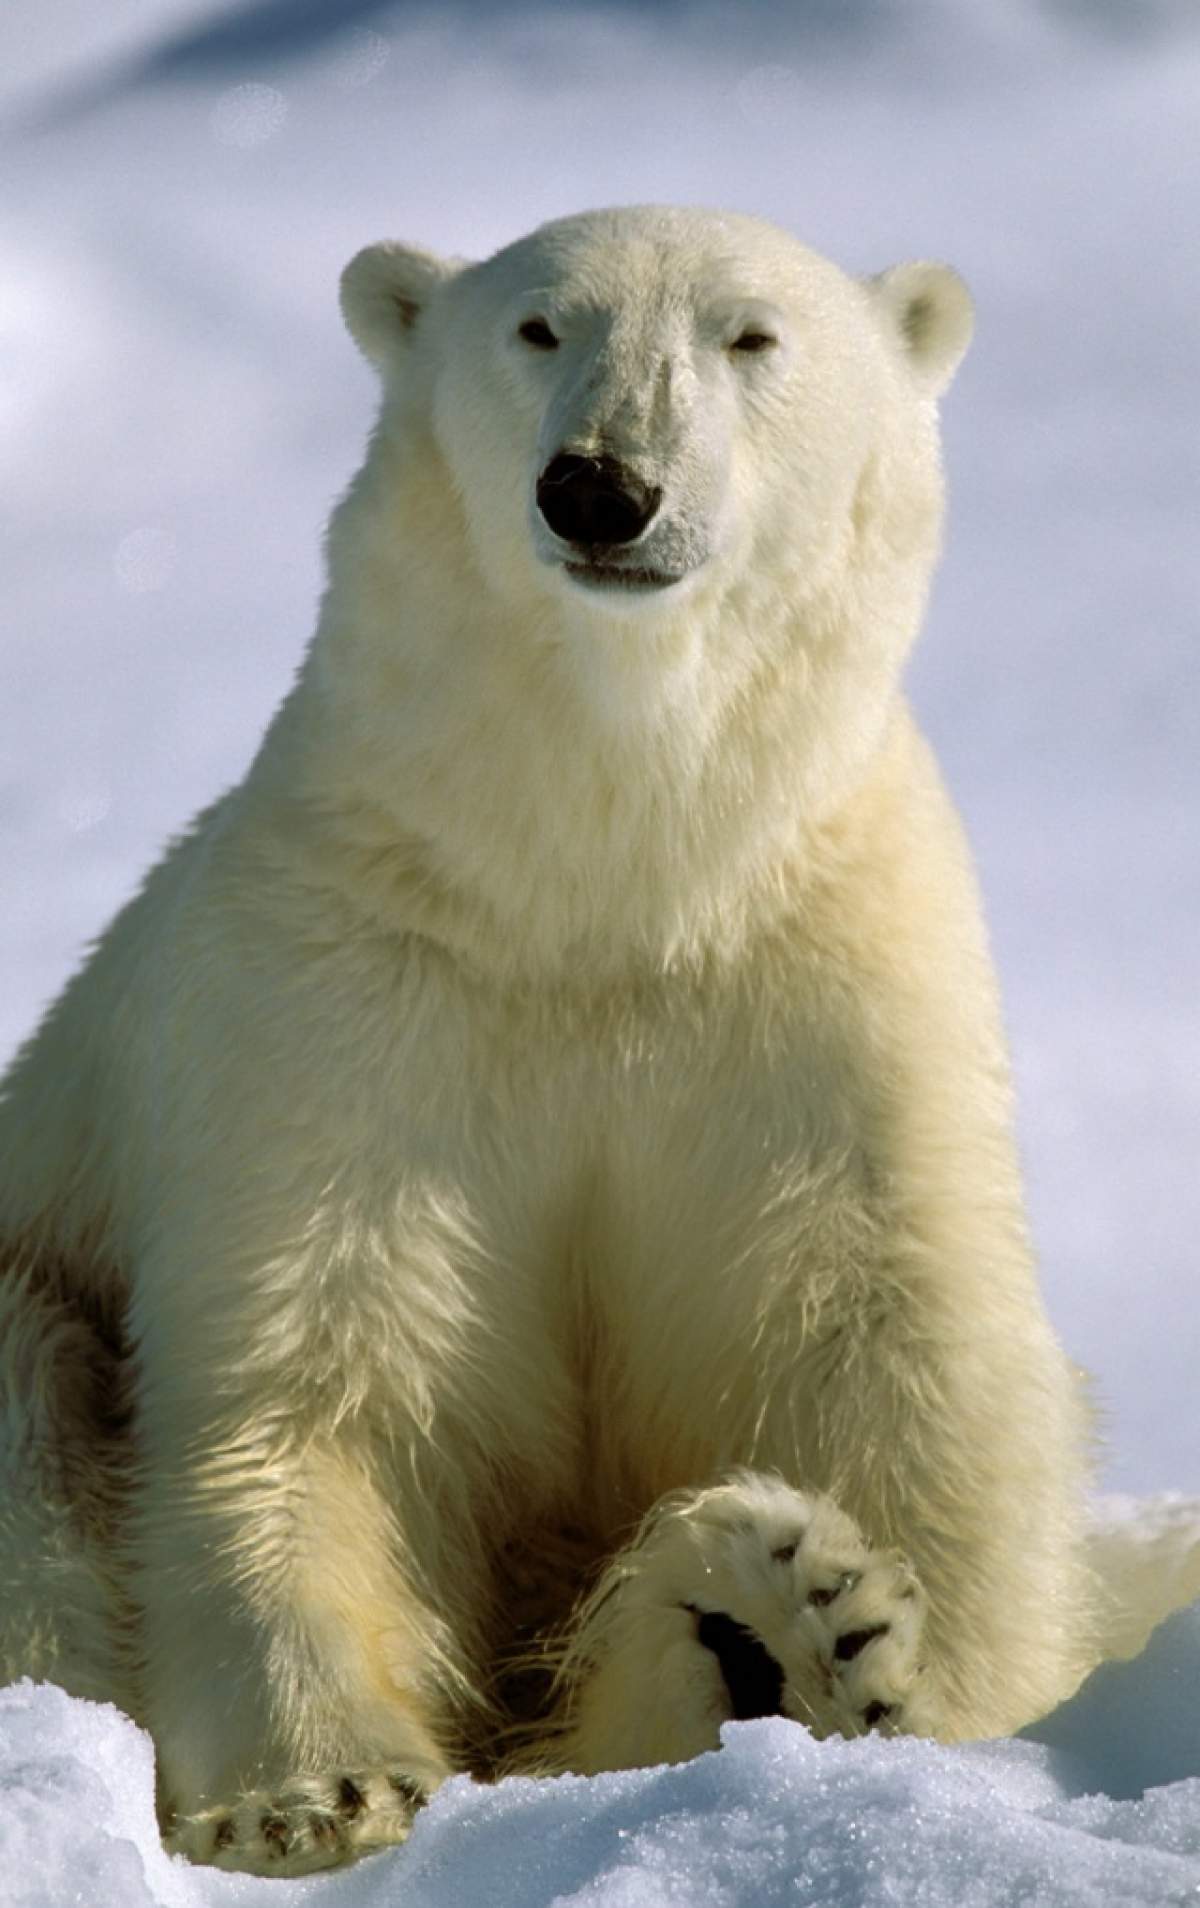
(804, 1619)
(308, 1823)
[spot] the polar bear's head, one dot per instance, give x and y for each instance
(619, 601)
(642, 405)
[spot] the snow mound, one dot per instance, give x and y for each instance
(1099, 1806)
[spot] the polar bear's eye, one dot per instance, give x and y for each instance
(752, 341)
(537, 332)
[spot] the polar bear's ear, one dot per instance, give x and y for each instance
(929, 309)
(384, 289)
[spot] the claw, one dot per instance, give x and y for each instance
(847, 1580)
(275, 1833)
(853, 1642)
(351, 1800)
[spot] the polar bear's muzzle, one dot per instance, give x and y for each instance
(595, 501)
(599, 507)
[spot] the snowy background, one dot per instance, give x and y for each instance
(178, 408)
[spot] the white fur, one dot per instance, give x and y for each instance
(567, 1067)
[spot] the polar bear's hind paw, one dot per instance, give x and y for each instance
(310, 1823)
(803, 1617)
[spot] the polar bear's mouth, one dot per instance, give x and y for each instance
(622, 577)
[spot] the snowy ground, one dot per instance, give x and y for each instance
(178, 406)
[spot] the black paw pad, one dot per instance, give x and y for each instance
(752, 1676)
(846, 1581)
(854, 1642)
(224, 1833)
(877, 1713)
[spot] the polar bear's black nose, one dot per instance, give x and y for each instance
(594, 500)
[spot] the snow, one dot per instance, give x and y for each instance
(1099, 1806)
(178, 406)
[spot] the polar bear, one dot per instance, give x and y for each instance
(512, 1246)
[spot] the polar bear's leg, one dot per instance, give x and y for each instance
(60, 1615)
(745, 1599)
(304, 1545)
(296, 1684)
